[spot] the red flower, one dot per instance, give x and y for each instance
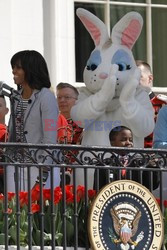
(23, 198)
(10, 196)
(57, 195)
(35, 208)
(10, 211)
(1, 197)
(35, 193)
(69, 197)
(165, 203)
(91, 194)
(69, 188)
(69, 194)
(46, 194)
(80, 193)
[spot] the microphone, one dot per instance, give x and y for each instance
(7, 87)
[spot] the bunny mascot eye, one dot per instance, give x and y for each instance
(122, 59)
(112, 94)
(93, 61)
(122, 66)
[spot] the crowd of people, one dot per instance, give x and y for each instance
(36, 104)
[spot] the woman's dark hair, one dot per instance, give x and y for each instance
(115, 131)
(34, 66)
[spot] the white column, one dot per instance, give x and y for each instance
(21, 27)
(5, 41)
(59, 40)
(149, 33)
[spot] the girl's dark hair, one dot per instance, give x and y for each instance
(115, 131)
(34, 66)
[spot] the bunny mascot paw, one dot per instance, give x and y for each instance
(112, 95)
(103, 97)
(128, 93)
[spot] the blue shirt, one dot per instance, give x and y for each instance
(160, 131)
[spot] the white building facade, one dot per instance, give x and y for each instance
(51, 27)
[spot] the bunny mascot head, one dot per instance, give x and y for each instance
(109, 51)
(112, 95)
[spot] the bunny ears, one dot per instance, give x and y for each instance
(125, 32)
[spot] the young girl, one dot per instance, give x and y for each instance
(122, 137)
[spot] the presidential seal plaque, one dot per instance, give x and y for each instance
(125, 215)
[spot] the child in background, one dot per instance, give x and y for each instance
(122, 137)
(3, 134)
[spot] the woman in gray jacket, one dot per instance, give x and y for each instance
(36, 105)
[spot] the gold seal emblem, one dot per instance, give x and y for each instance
(125, 215)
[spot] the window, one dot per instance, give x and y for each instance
(83, 42)
(150, 46)
(159, 38)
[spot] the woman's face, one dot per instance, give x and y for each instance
(18, 74)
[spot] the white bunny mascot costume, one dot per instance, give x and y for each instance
(112, 95)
